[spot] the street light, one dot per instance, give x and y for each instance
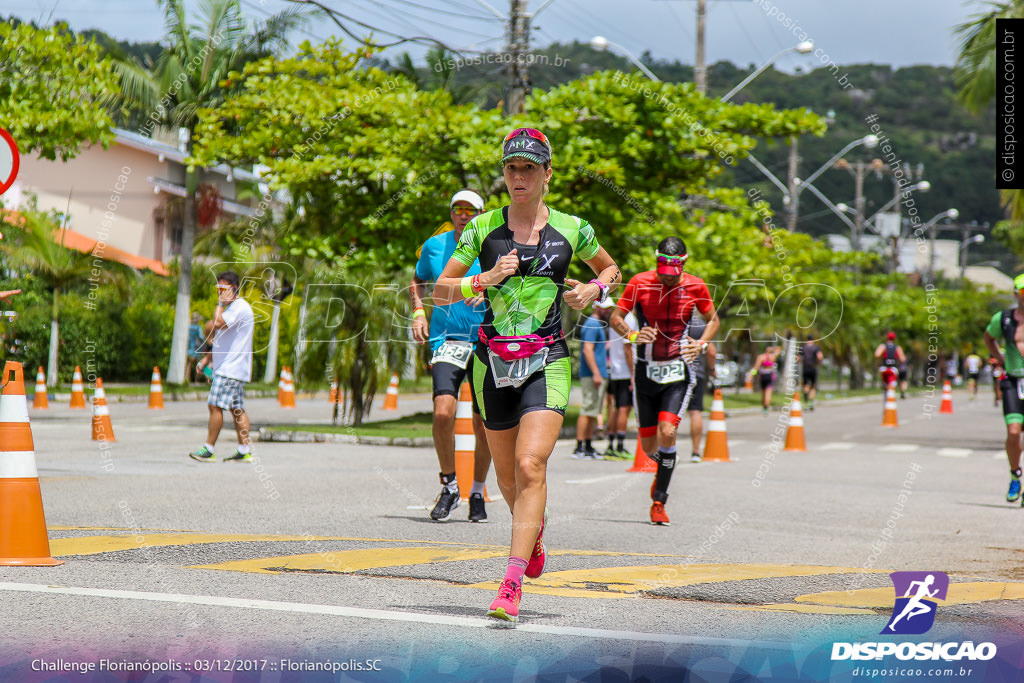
(600, 43)
(977, 239)
(803, 48)
(930, 227)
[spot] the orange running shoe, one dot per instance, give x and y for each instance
(658, 515)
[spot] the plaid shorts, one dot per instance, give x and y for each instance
(226, 393)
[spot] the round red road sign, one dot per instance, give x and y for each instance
(9, 160)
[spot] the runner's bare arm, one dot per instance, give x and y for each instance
(420, 328)
(581, 294)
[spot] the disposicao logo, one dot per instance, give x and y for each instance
(916, 595)
(913, 613)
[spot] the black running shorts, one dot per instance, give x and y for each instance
(546, 389)
(619, 388)
(447, 379)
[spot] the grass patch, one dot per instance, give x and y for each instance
(413, 426)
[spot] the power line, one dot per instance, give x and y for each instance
(746, 34)
(476, 17)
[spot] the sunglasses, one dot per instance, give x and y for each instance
(671, 259)
(464, 211)
(225, 287)
(532, 132)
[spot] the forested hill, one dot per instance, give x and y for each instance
(915, 108)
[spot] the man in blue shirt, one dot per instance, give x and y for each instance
(452, 331)
(593, 377)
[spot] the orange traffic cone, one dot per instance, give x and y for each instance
(465, 443)
(288, 388)
(333, 397)
(641, 461)
(716, 446)
(795, 431)
(23, 539)
(280, 386)
(40, 400)
(391, 398)
(102, 430)
(77, 390)
(889, 418)
(156, 392)
(947, 398)
(749, 383)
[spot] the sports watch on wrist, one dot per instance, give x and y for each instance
(603, 296)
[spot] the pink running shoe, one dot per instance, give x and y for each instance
(535, 567)
(506, 605)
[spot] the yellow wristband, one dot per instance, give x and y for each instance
(632, 337)
(467, 288)
(418, 313)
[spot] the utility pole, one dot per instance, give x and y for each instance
(518, 46)
(794, 196)
(700, 69)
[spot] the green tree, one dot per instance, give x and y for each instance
(53, 87)
(36, 246)
(189, 75)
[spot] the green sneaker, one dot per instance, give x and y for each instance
(204, 454)
(239, 457)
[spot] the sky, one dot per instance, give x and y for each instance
(745, 32)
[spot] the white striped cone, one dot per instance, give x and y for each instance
(795, 431)
(716, 445)
(40, 400)
(889, 417)
(23, 539)
(391, 397)
(288, 389)
(77, 390)
(102, 430)
(156, 391)
(947, 398)
(465, 442)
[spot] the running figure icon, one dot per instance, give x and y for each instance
(916, 606)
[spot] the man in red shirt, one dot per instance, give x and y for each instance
(663, 301)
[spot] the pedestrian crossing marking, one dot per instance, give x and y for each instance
(955, 452)
(900, 448)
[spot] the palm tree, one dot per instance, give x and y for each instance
(975, 77)
(353, 328)
(188, 76)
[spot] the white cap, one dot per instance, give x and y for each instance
(608, 303)
(470, 197)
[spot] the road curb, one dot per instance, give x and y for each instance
(568, 431)
(289, 436)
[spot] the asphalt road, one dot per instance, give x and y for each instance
(322, 555)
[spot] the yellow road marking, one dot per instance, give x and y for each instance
(347, 561)
(627, 581)
(94, 545)
(802, 609)
(882, 598)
